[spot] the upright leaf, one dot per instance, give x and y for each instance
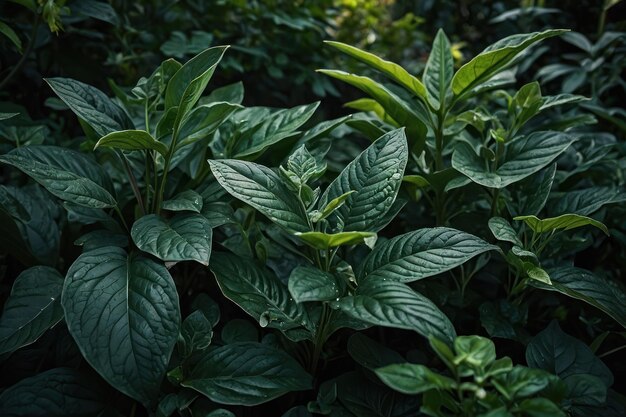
(439, 69)
(112, 299)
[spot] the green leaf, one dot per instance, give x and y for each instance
(420, 254)
(563, 355)
(540, 407)
(390, 69)
(238, 330)
(202, 122)
(11, 35)
(33, 307)
(58, 392)
(559, 100)
(409, 378)
(327, 210)
(132, 140)
(188, 83)
(439, 69)
(247, 374)
(475, 351)
(399, 110)
(5, 116)
(375, 177)
(393, 304)
(184, 237)
(586, 286)
(585, 201)
(311, 284)
(196, 333)
(494, 59)
(371, 354)
(67, 174)
(562, 222)
(263, 189)
(131, 303)
(100, 238)
(188, 200)
(91, 105)
(258, 292)
(324, 241)
(502, 230)
(529, 196)
(524, 156)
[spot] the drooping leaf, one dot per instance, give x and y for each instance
(393, 304)
(439, 69)
(33, 307)
(524, 156)
(112, 299)
(203, 121)
(502, 230)
(132, 140)
(247, 374)
(324, 241)
(585, 201)
(420, 254)
(91, 105)
(494, 59)
(562, 222)
(312, 284)
(263, 189)
(375, 177)
(184, 237)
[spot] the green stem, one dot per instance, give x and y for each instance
(166, 168)
(610, 352)
(29, 49)
(133, 183)
(119, 213)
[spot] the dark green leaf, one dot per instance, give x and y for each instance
(311, 284)
(132, 140)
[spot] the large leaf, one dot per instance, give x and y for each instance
(495, 58)
(420, 254)
(132, 140)
(312, 284)
(530, 195)
(585, 201)
(188, 83)
(91, 105)
(123, 313)
(59, 392)
(258, 292)
(390, 69)
(375, 177)
(67, 174)
(263, 189)
(184, 237)
(393, 304)
(439, 69)
(562, 222)
(246, 374)
(584, 285)
(524, 156)
(33, 306)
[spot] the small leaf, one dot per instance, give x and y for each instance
(184, 237)
(502, 230)
(311, 284)
(562, 222)
(186, 201)
(327, 210)
(324, 241)
(409, 378)
(246, 374)
(196, 333)
(132, 140)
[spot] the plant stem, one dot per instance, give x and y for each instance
(133, 183)
(166, 168)
(119, 213)
(29, 48)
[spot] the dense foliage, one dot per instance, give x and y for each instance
(174, 244)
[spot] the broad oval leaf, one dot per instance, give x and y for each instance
(112, 299)
(410, 378)
(58, 392)
(263, 189)
(247, 374)
(375, 176)
(502, 230)
(420, 254)
(563, 222)
(311, 284)
(91, 105)
(188, 200)
(258, 292)
(132, 140)
(184, 237)
(324, 241)
(393, 304)
(495, 58)
(524, 156)
(67, 174)
(439, 69)
(33, 306)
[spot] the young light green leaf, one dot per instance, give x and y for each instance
(33, 306)
(130, 302)
(132, 140)
(312, 284)
(246, 374)
(91, 105)
(409, 378)
(263, 189)
(439, 69)
(394, 71)
(421, 254)
(393, 304)
(494, 59)
(258, 292)
(188, 200)
(375, 176)
(327, 210)
(562, 222)
(324, 241)
(184, 237)
(524, 156)
(67, 174)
